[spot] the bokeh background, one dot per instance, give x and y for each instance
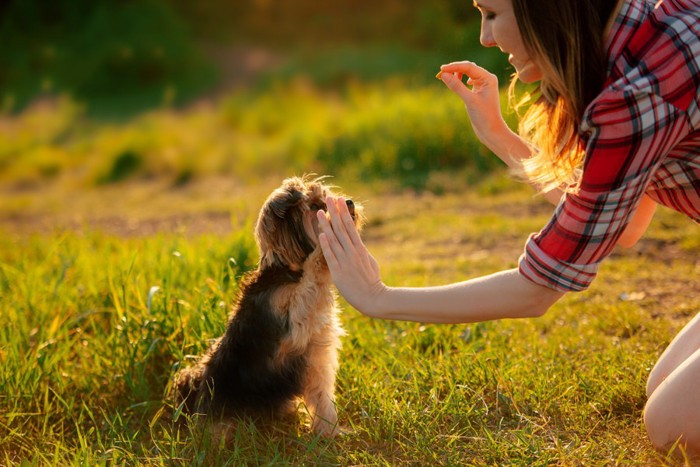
(106, 103)
(132, 54)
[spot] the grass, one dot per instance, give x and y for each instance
(93, 326)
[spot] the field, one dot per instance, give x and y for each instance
(97, 317)
(122, 242)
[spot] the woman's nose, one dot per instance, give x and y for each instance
(486, 37)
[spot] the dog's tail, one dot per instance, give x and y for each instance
(187, 388)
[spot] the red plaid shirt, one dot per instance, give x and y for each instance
(641, 134)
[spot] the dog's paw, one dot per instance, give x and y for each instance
(326, 424)
(326, 429)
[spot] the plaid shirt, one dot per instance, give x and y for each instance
(641, 135)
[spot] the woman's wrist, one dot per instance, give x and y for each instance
(376, 302)
(507, 145)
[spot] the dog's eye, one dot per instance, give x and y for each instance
(318, 207)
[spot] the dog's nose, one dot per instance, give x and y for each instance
(351, 206)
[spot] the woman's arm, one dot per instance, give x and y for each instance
(505, 294)
(639, 223)
(356, 274)
(482, 101)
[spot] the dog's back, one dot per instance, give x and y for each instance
(237, 375)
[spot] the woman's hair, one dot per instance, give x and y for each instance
(566, 40)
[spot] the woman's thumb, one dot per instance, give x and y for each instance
(457, 86)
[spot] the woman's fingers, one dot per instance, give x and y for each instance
(454, 82)
(355, 272)
(470, 69)
(328, 238)
(331, 260)
(451, 75)
(348, 222)
(480, 95)
(339, 233)
(341, 229)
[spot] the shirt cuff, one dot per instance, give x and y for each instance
(545, 270)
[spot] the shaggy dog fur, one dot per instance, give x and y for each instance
(282, 339)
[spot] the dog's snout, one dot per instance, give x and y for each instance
(351, 206)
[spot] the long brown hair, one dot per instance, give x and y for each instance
(566, 40)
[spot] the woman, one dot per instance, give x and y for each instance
(615, 130)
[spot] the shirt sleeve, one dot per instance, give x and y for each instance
(627, 132)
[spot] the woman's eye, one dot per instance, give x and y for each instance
(490, 16)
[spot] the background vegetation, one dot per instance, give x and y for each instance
(138, 139)
(359, 87)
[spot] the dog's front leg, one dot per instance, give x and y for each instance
(302, 323)
(319, 388)
(309, 308)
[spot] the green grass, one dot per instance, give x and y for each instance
(88, 346)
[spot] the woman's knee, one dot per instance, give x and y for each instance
(664, 432)
(653, 381)
(657, 425)
(685, 344)
(672, 412)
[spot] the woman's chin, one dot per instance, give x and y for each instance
(529, 73)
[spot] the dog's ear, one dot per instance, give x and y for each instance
(285, 199)
(278, 205)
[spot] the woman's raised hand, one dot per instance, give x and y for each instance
(355, 272)
(481, 97)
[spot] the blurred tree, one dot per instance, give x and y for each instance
(131, 54)
(97, 49)
(326, 32)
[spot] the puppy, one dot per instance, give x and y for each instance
(283, 336)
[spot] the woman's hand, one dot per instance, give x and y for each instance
(505, 294)
(482, 100)
(355, 272)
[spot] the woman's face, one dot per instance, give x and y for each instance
(499, 28)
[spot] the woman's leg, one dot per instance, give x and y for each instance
(683, 346)
(672, 413)
(673, 408)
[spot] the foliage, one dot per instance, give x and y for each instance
(117, 55)
(391, 130)
(406, 138)
(121, 57)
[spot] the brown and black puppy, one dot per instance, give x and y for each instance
(282, 338)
